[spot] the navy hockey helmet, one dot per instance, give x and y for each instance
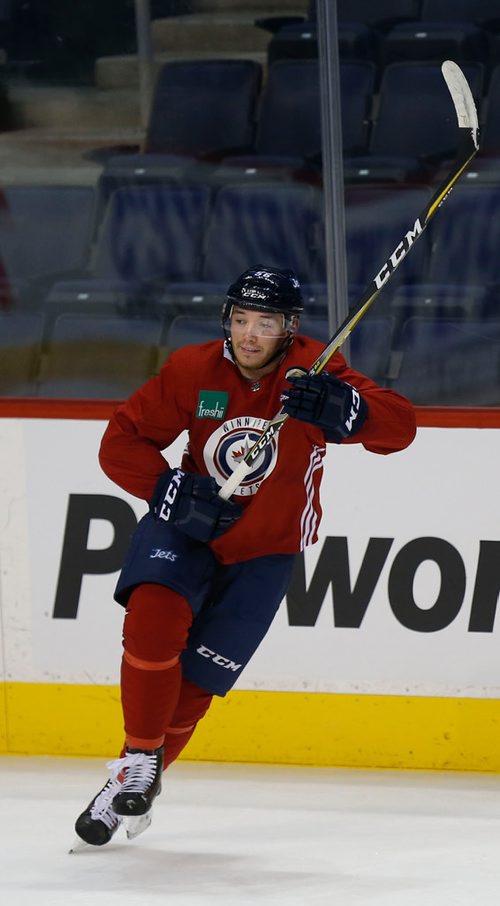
(266, 289)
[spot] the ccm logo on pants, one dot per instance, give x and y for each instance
(217, 658)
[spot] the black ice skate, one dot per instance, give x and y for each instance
(97, 824)
(141, 782)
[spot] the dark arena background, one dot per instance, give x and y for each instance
(151, 151)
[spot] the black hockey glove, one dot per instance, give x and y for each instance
(324, 400)
(192, 504)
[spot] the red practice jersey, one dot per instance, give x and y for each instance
(200, 389)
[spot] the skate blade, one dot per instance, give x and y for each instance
(79, 846)
(137, 825)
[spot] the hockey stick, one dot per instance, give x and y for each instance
(469, 131)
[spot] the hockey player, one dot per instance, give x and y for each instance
(204, 577)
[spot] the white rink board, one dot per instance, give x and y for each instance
(445, 486)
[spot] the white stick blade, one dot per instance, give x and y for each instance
(461, 95)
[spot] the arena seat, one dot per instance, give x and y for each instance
(490, 129)
(377, 218)
(289, 122)
(186, 330)
(430, 132)
(449, 362)
(439, 300)
(99, 356)
(150, 235)
(203, 107)
(272, 224)
(124, 171)
(20, 347)
(45, 231)
(465, 240)
(369, 342)
(459, 11)
(437, 41)
(380, 13)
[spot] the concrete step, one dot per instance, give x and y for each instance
(224, 31)
(77, 109)
(209, 32)
(221, 29)
(46, 157)
(123, 72)
(259, 8)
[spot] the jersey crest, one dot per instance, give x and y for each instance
(226, 447)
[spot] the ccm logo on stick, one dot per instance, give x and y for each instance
(256, 450)
(398, 254)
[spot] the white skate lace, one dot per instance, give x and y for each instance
(101, 807)
(139, 772)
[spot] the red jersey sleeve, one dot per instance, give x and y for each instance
(391, 422)
(140, 428)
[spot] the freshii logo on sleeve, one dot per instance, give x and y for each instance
(212, 404)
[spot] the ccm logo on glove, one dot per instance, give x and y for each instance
(323, 400)
(192, 503)
(170, 494)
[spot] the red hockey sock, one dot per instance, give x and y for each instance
(155, 632)
(192, 706)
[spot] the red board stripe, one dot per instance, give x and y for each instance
(85, 410)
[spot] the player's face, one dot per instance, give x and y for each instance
(255, 337)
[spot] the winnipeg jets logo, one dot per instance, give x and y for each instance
(227, 446)
(237, 455)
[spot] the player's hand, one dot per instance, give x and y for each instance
(192, 503)
(323, 400)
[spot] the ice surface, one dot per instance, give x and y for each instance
(241, 835)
